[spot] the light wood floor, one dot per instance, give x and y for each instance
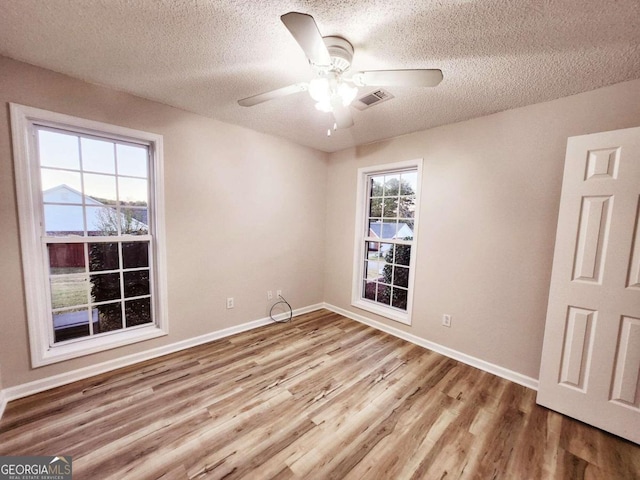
(323, 397)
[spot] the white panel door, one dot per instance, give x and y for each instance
(590, 366)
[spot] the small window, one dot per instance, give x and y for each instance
(91, 225)
(386, 231)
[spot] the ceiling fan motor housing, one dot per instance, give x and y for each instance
(340, 51)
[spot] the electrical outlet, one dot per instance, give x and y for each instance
(446, 320)
(279, 293)
(270, 295)
(230, 302)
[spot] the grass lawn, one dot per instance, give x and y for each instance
(69, 291)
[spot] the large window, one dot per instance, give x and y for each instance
(90, 205)
(386, 230)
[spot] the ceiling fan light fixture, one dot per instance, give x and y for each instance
(347, 93)
(319, 89)
(324, 90)
(324, 106)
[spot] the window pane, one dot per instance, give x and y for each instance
(401, 276)
(408, 183)
(371, 250)
(384, 294)
(69, 291)
(97, 156)
(369, 289)
(391, 185)
(139, 214)
(135, 254)
(109, 317)
(132, 160)
(405, 229)
(63, 220)
(390, 208)
(134, 221)
(60, 186)
(375, 207)
(407, 207)
(58, 150)
(102, 221)
(103, 256)
(101, 188)
(71, 324)
(387, 229)
(66, 258)
(136, 283)
(386, 252)
(105, 287)
(373, 269)
(133, 191)
(375, 228)
(137, 312)
(376, 186)
(387, 274)
(399, 299)
(403, 254)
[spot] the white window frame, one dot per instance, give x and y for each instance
(362, 208)
(24, 121)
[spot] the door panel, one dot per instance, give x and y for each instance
(593, 236)
(590, 366)
(626, 383)
(577, 348)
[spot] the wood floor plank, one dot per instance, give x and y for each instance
(321, 397)
(533, 432)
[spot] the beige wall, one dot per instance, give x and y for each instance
(491, 189)
(244, 214)
(490, 196)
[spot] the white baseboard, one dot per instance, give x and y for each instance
(505, 373)
(26, 389)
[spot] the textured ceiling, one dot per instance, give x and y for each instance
(204, 55)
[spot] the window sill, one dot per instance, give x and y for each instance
(387, 312)
(67, 351)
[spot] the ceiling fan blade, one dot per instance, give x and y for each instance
(280, 92)
(304, 29)
(342, 114)
(402, 78)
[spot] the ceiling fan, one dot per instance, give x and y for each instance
(330, 58)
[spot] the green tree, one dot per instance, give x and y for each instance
(399, 198)
(401, 258)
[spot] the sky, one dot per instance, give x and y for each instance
(107, 167)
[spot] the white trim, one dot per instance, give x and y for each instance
(99, 344)
(26, 389)
(23, 118)
(3, 402)
(359, 239)
(502, 372)
(31, 264)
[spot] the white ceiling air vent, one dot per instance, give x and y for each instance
(371, 99)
